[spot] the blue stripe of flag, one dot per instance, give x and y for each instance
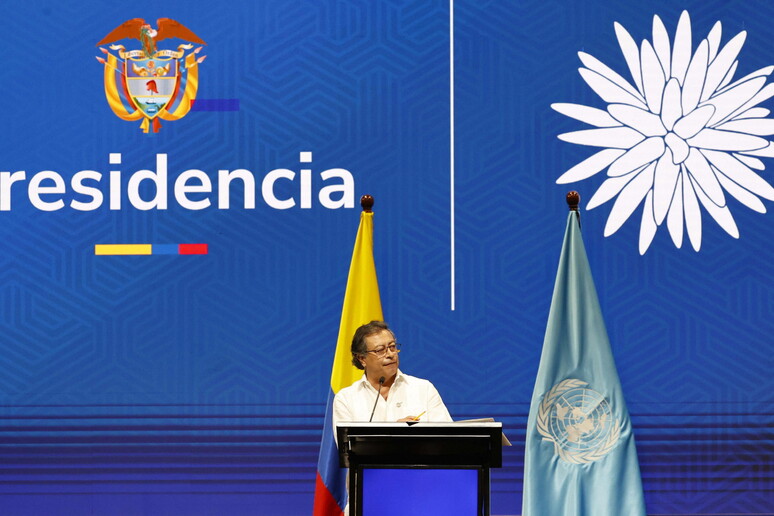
(334, 477)
(164, 249)
(215, 105)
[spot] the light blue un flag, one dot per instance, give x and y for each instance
(580, 458)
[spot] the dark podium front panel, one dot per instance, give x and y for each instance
(421, 468)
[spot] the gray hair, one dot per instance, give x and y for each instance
(359, 348)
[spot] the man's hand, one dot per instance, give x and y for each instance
(411, 418)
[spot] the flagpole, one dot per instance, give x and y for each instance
(573, 201)
(361, 304)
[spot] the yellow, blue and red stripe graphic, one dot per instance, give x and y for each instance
(362, 304)
(148, 249)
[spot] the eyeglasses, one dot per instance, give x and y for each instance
(382, 350)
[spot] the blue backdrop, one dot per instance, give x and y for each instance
(170, 385)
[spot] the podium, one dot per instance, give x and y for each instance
(419, 468)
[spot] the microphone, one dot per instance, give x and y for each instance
(378, 393)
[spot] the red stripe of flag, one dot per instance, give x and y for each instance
(324, 503)
(192, 249)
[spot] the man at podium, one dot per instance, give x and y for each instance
(440, 473)
(384, 393)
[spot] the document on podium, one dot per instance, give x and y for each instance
(505, 440)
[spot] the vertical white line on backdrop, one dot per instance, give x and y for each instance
(451, 151)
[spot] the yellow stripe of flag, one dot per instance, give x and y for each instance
(122, 249)
(362, 303)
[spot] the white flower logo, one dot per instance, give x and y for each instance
(682, 136)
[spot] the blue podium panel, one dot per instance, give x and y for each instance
(425, 492)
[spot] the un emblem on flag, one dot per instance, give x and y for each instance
(579, 422)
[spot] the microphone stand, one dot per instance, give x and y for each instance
(378, 393)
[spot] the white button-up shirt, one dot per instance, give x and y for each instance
(408, 396)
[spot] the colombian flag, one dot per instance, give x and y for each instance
(361, 305)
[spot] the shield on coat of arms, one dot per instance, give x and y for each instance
(151, 83)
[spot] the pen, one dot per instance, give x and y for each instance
(416, 418)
